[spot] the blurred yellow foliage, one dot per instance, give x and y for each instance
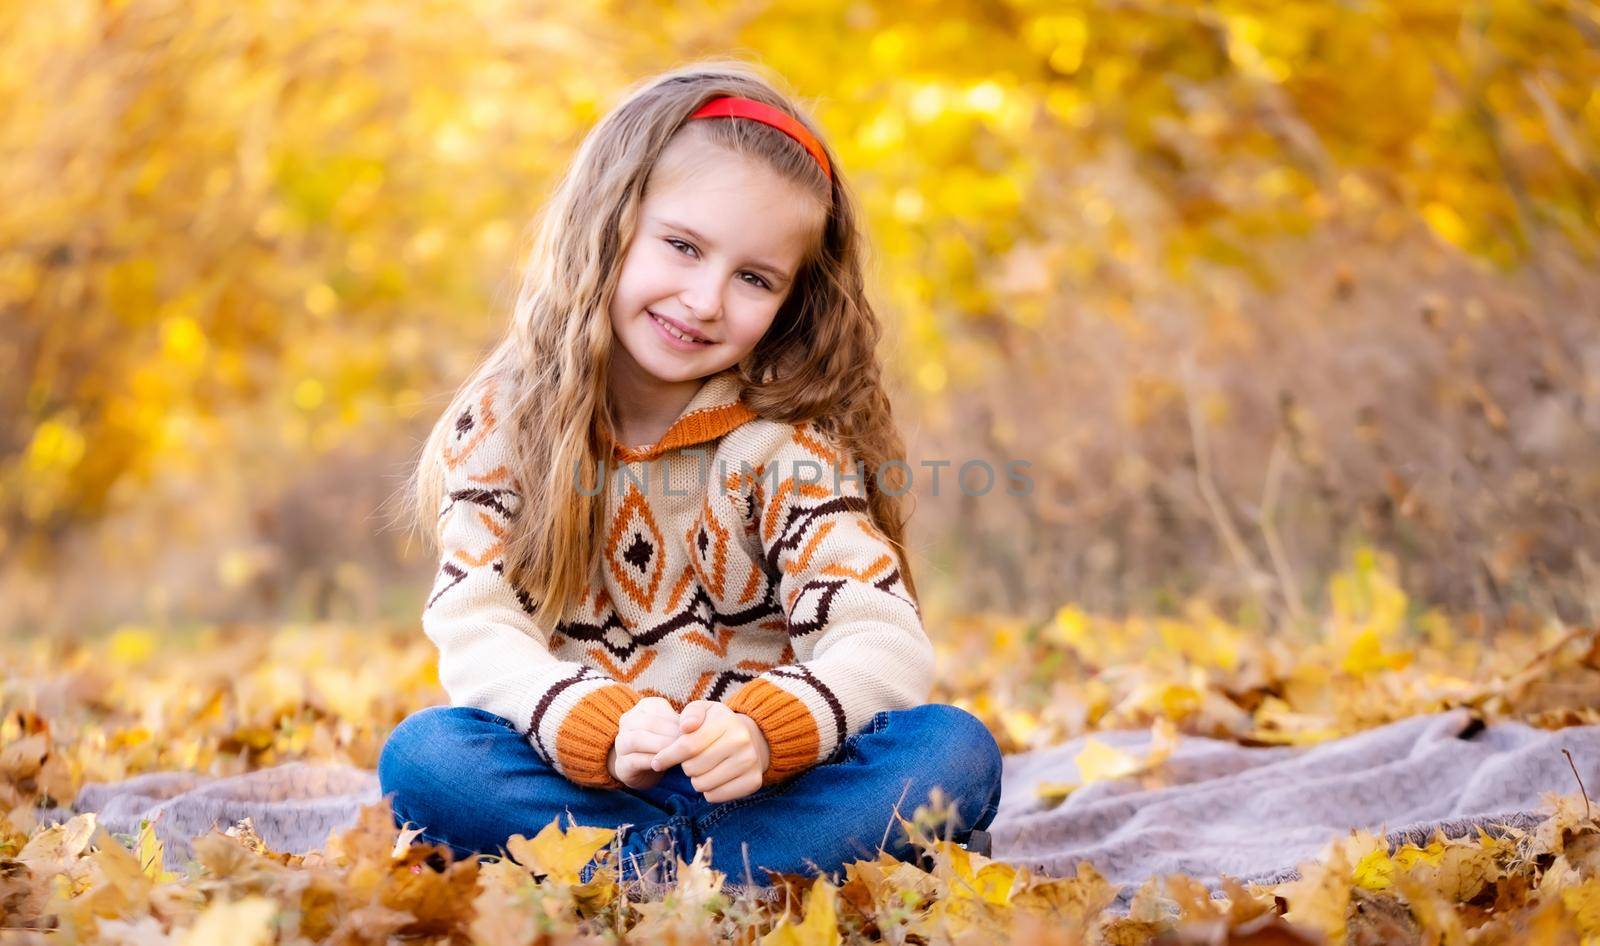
(213, 215)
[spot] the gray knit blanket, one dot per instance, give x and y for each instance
(1251, 813)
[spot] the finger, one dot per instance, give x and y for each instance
(628, 766)
(655, 706)
(726, 770)
(686, 746)
(642, 742)
(679, 749)
(717, 737)
(724, 746)
(693, 715)
(656, 733)
(664, 722)
(663, 725)
(649, 706)
(745, 784)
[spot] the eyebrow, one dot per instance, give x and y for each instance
(768, 268)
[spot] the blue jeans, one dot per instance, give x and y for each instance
(470, 780)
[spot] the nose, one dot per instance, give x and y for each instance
(703, 296)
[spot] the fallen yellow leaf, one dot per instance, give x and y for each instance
(820, 926)
(243, 922)
(1101, 762)
(560, 856)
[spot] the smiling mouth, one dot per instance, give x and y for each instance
(675, 332)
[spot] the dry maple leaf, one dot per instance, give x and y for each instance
(117, 887)
(1101, 762)
(438, 901)
(1266, 930)
(22, 897)
(243, 922)
(503, 916)
(1068, 900)
(559, 855)
(1435, 914)
(230, 863)
(148, 849)
(1320, 898)
(820, 926)
(370, 840)
(688, 905)
(1583, 903)
(55, 846)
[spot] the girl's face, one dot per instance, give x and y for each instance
(715, 256)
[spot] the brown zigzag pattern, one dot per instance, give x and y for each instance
(792, 530)
(725, 681)
(680, 587)
(750, 585)
(717, 645)
(827, 589)
(804, 435)
(478, 497)
(711, 686)
(699, 539)
(482, 497)
(859, 574)
(529, 605)
(699, 614)
(890, 583)
(456, 573)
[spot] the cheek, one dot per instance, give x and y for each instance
(635, 282)
(750, 327)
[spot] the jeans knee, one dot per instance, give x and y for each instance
(962, 734)
(977, 742)
(410, 750)
(971, 759)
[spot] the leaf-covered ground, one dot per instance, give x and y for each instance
(233, 698)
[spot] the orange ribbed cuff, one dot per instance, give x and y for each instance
(588, 733)
(787, 724)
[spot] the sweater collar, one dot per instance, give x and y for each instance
(714, 410)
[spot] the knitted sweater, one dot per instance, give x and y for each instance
(736, 567)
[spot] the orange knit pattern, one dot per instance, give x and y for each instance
(581, 741)
(735, 567)
(785, 721)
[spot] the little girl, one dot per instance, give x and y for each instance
(673, 596)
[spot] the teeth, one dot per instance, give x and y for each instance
(675, 333)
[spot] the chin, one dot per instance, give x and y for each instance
(676, 373)
(663, 366)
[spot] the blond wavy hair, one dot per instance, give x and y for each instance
(817, 363)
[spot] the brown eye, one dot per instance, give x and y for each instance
(678, 244)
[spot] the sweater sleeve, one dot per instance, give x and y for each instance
(859, 645)
(492, 655)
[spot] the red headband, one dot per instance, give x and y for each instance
(737, 107)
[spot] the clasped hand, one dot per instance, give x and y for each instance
(724, 753)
